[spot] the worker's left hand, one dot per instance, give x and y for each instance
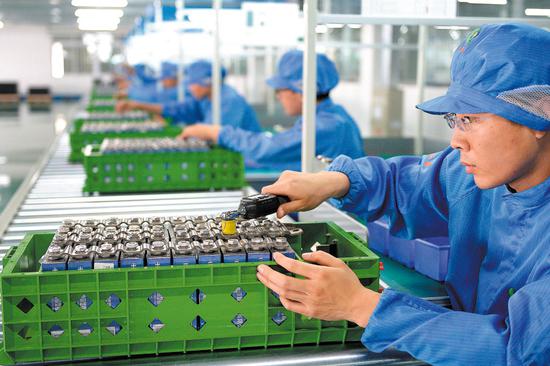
(329, 290)
(201, 131)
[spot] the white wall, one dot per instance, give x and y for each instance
(25, 56)
(72, 84)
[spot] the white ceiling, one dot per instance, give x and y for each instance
(58, 15)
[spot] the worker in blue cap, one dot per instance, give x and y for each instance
(143, 84)
(489, 192)
(235, 111)
(336, 131)
(169, 79)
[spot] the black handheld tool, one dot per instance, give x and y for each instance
(259, 205)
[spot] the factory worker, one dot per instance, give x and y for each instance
(169, 80)
(336, 132)
(235, 111)
(143, 84)
(489, 192)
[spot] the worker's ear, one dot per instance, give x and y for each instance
(540, 134)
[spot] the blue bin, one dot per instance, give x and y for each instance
(378, 236)
(402, 250)
(431, 256)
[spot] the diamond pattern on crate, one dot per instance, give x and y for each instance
(113, 301)
(55, 304)
(155, 298)
(56, 331)
(84, 302)
(197, 296)
(85, 329)
(238, 320)
(279, 318)
(156, 325)
(114, 328)
(198, 323)
(238, 294)
(25, 333)
(25, 305)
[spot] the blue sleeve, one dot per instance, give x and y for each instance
(237, 113)
(186, 113)
(441, 336)
(410, 190)
(264, 150)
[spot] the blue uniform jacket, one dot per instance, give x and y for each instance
(140, 92)
(499, 266)
(235, 111)
(336, 133)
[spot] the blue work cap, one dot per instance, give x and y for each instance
(200, 72)
(145, 73)
(168, 70)
(290, 73)
(503, 69)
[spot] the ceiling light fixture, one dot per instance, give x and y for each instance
(537, 12)
(485, 2)
(100, 3)
(99, 13)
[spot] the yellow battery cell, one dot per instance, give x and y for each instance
(229, 227)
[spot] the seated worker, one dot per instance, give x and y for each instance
(143, 84)
(169, 80)
(235, 111)
(336, 132)
(489, 192)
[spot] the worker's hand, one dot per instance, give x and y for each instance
(121, 94)
(201, 131)
(329, 290)
(307, 190)
(123, 106)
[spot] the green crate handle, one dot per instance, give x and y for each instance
(357, 238)
(8, 255)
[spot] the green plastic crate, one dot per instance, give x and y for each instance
(79, 140)
(27, 318)
(176, 171)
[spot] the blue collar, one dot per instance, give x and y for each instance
(531, 197)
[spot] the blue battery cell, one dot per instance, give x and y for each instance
(54, 266)
(131, 262)
(234, 258)
(106, 263)
(232, 251)
(184, 259)
(158, 261)
(209, 258)
(184, 253)
(209, 252)
(79, 264)
(281, 245)
(258, 256)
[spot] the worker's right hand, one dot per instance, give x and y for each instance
(124, 106)
(307, 190)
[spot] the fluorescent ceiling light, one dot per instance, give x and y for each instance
(99, 13)
(485, 2)
(98, 27)
(355, 26)
(451, 27)
(335, 25)
(3, 160)
(100, 3)
(58, 62)
(321, 28)
(5, 180)
(98, 20)
(537, 12)
(1, 24)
